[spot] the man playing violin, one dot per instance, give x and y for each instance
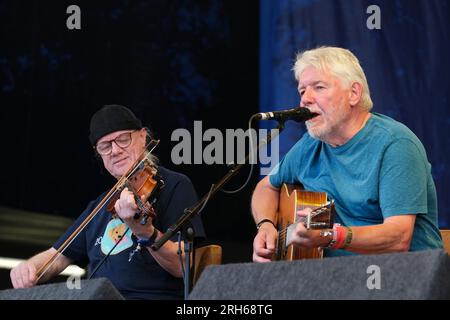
(118, 246)
(374, 168)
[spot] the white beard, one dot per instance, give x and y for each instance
(328, 126)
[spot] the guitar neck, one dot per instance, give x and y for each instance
(308, 222)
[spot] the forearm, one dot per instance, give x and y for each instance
(60, 263)
(26, 275)
(264, 201)
(393, 235)
(168, 258)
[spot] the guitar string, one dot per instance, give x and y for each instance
(314, 213)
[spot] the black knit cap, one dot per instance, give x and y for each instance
(112, 118)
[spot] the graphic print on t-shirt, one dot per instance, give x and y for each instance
(113, 233)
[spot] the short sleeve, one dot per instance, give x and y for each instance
(403, 179)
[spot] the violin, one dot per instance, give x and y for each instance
(141, 179)
(145, 185)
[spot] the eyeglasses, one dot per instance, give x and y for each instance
(122, 140)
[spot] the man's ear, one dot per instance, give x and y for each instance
(355, 93)
(143, 131)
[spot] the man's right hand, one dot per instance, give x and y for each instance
(24, 275)
(264, 243)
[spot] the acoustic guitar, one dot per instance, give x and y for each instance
(292, 199)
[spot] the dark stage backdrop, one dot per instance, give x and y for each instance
(406, 63)
(172, 62)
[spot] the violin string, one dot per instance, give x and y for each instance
(138, 201)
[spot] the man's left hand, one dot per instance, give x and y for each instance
(126, 209)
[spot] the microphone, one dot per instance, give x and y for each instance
(298, 114)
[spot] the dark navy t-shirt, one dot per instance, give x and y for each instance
(142, 277)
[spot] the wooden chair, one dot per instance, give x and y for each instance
(446, 240)
(205, 256)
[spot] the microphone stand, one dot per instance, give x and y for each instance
(188, 248)
(189, 213)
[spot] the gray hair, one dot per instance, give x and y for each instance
(340, 62)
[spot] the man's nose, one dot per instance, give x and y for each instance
(115, 148)
(307, 97)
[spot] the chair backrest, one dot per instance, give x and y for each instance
(205, 256)
(446, 240)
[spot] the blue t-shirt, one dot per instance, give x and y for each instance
(142, 277)
(382, 171)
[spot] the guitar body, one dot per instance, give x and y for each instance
(292, 199)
